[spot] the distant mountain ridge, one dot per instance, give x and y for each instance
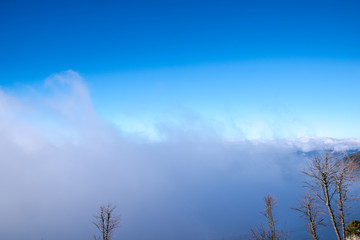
(351, 154)
(354, 156)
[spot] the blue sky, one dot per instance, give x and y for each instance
(249, 69)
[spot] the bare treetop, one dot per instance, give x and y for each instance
(106, 222)
(330, 174)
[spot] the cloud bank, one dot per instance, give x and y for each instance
(59, 161)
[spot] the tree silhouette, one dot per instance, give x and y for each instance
(106, 222)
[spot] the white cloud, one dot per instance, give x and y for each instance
(191, 184)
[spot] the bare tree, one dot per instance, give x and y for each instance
(269, 204)
(309, 208)
(332, 175)
(344, 176)
(321, 171)
(270, 233)
(106, 222)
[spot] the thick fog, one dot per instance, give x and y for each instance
(59, 161)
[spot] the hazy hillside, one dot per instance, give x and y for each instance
(354, 156)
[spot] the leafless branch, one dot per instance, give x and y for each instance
(106, 222)
(310, 209)
(321, 171)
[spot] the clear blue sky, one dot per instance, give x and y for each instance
(252, 69)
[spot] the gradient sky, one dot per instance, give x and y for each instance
(252, 69)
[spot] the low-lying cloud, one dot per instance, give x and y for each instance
(59, 161)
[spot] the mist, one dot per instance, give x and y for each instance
(60, 160)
